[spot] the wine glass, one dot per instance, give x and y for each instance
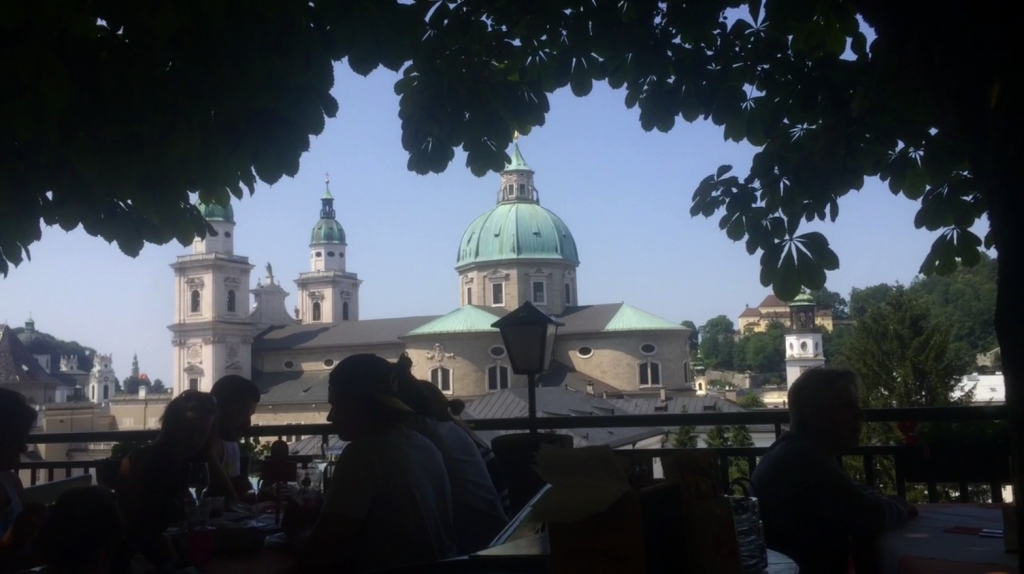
(198, 479)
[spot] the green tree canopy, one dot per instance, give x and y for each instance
(863, 300)
(825, 299)
(906, 356)
(717, 341)
(694, 334)
(763, 352)
(966, 299)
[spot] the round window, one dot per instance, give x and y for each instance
(584, 352)
(328, 363)
(648, 349)
(227, 234)
(497, 352)
(330, 254)
(319, 254)
(803, 346)
(289, 365)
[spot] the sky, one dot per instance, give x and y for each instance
(624, 193)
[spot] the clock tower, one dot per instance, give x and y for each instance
(102, 380)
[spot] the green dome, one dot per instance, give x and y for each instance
(802, 299)
(327, 231)
(517, 230)
(214, 212)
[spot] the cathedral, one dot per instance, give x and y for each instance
(517, 251)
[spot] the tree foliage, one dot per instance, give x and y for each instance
(717, 342)
(825, 299)
(751, 401)
(906, 355)
(966, 299)
(47, 344)
(863, 300)
(694, 334)
(762, 352)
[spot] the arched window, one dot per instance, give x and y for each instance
(344, 311)
(497, 377)
(92, 394)
(316, 311)
(648, 374)
(195, 303)
(106, 392)
(231, 301)
(442, 377)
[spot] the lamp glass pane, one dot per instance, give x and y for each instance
(525, 345)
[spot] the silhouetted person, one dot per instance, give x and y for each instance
(82, 532)
(810, 508)
(19, 522)
(237, 398)
(389, 503)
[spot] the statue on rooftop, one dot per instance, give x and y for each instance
(270, 273)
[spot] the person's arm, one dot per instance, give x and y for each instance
(220, 483)
(865, 512)
(18, 538)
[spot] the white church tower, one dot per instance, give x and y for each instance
(803, 339)
(211, 334)
(102, 380)
(327, 293)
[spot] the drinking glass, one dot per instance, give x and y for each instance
(198, 479)
(749, 534)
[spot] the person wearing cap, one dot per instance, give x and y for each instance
(389, 502)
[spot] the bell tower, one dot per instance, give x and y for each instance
(327, 293)
(803, 339)
(211, 334)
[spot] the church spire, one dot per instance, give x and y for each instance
(517, 179)
(327, 201)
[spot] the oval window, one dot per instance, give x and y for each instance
(328, 363)
(497, 351)
(289, 365)
(584, 352)
(803, 346)
(330, 254)
(227, 234)
(648, 349)
(319, 254)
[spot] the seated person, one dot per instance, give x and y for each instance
(237, 398)
(453, 408)
(19, 522)
(476, 507)
(810, 508)
(82, 532)
(389, 503)
(152, 485)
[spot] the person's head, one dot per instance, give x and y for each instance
(82, 530)
(410, 390)
(237, 398)
(363, 392)
(823, 405)
(187, 421)
(17, 418)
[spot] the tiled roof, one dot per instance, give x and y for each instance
(558, 401)
(588, 319)
(292, 386)
(561, 375)
(17, 365)
(346, 333)
(751, 312)
(772, 301)
(630, 318)
(467, 319)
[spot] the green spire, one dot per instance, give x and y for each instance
(327, 186)
(518, 163)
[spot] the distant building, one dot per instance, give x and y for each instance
(21, 371)
(774, 310)
(988, 388)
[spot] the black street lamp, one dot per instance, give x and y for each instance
(529, 336)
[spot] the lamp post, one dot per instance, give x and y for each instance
(529, 336)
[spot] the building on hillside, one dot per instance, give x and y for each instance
(774, 310)
(515, 252)
(22, 372)
(989, 389)
(63, 369)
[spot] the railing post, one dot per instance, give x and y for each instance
(869, 470)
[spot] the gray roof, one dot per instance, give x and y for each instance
(17, 364)
(312, 446)
(588, 318)
(561, 375)
(345, 333)
(675, 404)
(558, 401)
(292, 386)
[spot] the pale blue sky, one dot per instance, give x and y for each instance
(624, 193)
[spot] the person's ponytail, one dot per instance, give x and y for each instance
(456, 406)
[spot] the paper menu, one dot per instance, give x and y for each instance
(584, 481)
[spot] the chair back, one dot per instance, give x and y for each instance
(48, 492)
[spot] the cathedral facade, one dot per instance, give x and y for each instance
(515, 252)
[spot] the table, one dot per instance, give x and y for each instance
(922, 546)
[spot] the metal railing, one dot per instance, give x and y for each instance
(907, 459)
